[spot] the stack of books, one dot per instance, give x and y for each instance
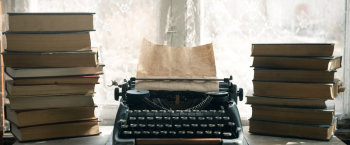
(54, 72)
(291, 85)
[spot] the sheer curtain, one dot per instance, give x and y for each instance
(232, 26)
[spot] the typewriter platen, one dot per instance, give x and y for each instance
(178, 117)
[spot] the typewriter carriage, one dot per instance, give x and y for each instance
(224, 86)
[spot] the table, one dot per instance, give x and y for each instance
(105, 139)
(253, 139)
(89, 140)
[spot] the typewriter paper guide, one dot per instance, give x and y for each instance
(160, 61)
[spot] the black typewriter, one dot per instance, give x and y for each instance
(177, 117)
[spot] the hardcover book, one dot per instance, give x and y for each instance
(38, 22)
(308, 63)
(24, 118)
(319, 132)
(292, 49)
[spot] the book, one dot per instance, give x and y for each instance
(319, 132)
(48, 116)
(37, 22)
(59, 130)
(292, 49)
(288, 75)
(44, 90)
(52, 72)
(297, 90)
(50, 59)
(293, 115)
(308, 63)
(285, 102)
(53, 42)
(92, 79)
(48, 102)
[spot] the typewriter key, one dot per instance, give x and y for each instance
(155, 132)
(212, 111)
(137, 111)
(207, 132)
(159, 125)
(145, 111)
(125, 126)
(168, 125)
(133, 125)
(187, 111)
(218, 118)
(211, 125)
(150, 125)
(217, 132)
(162, 111)
(154, 111)
(163, 132)
(176, 118)
(189, 132)
(209, 118)
(226, 118)
(129, 111)
(172, 132)
(204, 125)
(238, 129)
(227, 134)
(204, 111)
(195, 111)
(177, 125)
(145, 132)
(127, 132)
(142, 125)
(231, 123)
(222, 111)
(137, 132)
(170, 111)
(220, 125)
(149, 118)
(122, 120)
(199, 132)
(159, 118)
(182, 132)
(141, 118)
(186, 125)
(132, 118)
(178, 111)
(194, 125)
(184, 118)
(166, 118)
(201, 118)
(192, 118)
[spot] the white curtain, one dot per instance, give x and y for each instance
(232, 26)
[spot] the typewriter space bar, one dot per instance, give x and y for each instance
(177, 141)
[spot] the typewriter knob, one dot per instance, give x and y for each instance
(116, 94)
(219, 97)
(240, 94)
(136, 96)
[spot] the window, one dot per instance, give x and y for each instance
(232, 26)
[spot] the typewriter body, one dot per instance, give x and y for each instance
(177, 117)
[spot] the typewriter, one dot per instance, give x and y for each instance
(177, 117)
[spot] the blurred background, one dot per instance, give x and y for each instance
(231, 25)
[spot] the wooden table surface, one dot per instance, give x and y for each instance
(100, 139)
(251, 139)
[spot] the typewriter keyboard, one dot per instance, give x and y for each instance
(177, 124)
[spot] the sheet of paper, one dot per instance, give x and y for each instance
(160, 61)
